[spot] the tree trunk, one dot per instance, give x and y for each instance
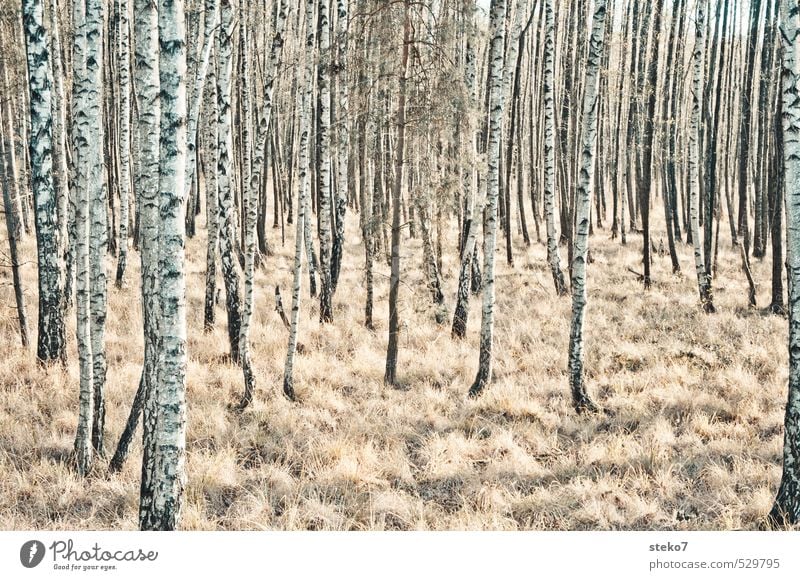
(167, 467)
(225, 178)
(580, 397)
(703, 280)
(553, 257)
(390, 376)
(13, 229)
(786, 509)
(51, 343)
(124, 137)
(343, 133)
(496, 107)
(306, 89)
(91, 109)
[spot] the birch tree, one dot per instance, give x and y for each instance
(225, 177)
(343, 140)
(703, 279)
(167, 465)
(324, 165)
(390, 376)
(51, 341)
(497, 14)
(553, 258)
(580, 398)
(13, 227)
(81, 130)
(91, 103)
(786, 509)
(123, 7)
(307, 84)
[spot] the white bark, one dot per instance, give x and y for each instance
(80, 136)
(698, 59)
(90, 104)
(124, 64)
(343, 141)
(583, 200)
(52, 336)
(324, 165)
(787, 503)
(209, 28)
(60, 171)
(496, 106)
(169, 477)
(225, 176)
(553, 257)
(212, 201)
(307, 84)
(146, 77)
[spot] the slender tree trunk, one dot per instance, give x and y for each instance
(51, 343)
(146, 80)
(123, 7)
(91, 102)
(390, 376)
(580, 397)
(703, 280)
(167, 469)
(786, 509)
(60, 171)
(496, 107)
(210, 159)
(324, 165)
(306, 88)
(776, 194)
(13, 229)
(553, 257)
(225, 178)
(343, 141)
(83, 450)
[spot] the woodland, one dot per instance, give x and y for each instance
(400, 264)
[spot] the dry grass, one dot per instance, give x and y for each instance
(693, 442)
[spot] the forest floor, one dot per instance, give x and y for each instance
(692, 440)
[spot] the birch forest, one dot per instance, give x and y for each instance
(400, 264)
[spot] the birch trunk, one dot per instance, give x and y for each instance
(170, 391)
(60, 171)
(343, 141)
(553, 257)
(124, 64)
(13, 229)
(210, 160)
(225, 177)
(249, 193)
(307, 84)
(703, 279)
(496, 105)
(324, 165)
(786, 509)
(92, 158)
(51, 342)
(80, 135)
(211, 11)
(468, 253)
(390, 376)
(146, 80)
(580, 398)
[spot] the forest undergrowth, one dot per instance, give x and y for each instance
(690, 437)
